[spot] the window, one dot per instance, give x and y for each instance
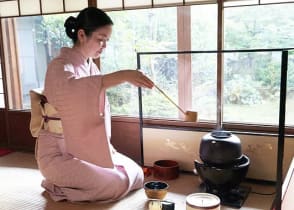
(134, 31)
(33, 42)
(163, 70)
(252, 80)
(204, 37)
(130, 36)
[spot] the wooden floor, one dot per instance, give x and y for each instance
(20, 190)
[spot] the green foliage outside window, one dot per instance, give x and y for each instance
(252, 80)
(137, 31)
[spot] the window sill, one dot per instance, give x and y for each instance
(255, 129)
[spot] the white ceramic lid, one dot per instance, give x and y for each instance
(203, 200)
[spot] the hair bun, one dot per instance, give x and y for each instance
(70, 25)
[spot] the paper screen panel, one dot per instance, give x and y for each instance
(274, 1)
(75, 5)
(239, 3)
(200, 1)
(166, 2)
(8, 8)
(136, 3)
(29, 7)
(52, 6)
(109, 4)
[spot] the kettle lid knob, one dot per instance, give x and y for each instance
(221, 134)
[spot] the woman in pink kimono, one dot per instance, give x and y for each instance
(77, 159)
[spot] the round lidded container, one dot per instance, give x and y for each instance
(220, 147)
(201, 201)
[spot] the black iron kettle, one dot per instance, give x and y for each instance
(220, 147)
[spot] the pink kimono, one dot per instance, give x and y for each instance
(81, 164)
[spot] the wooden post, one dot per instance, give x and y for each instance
(184, 60)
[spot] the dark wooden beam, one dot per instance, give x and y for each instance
(92, 3)
(4, 136)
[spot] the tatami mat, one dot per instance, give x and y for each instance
(20, 190)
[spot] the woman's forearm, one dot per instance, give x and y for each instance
(113, 79)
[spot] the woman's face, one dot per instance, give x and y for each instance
(93, 45)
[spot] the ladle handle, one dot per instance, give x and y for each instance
(163, 93)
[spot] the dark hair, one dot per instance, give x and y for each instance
(89, 19)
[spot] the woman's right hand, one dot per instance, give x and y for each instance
(137, 78)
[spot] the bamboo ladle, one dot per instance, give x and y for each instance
(190, 116)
